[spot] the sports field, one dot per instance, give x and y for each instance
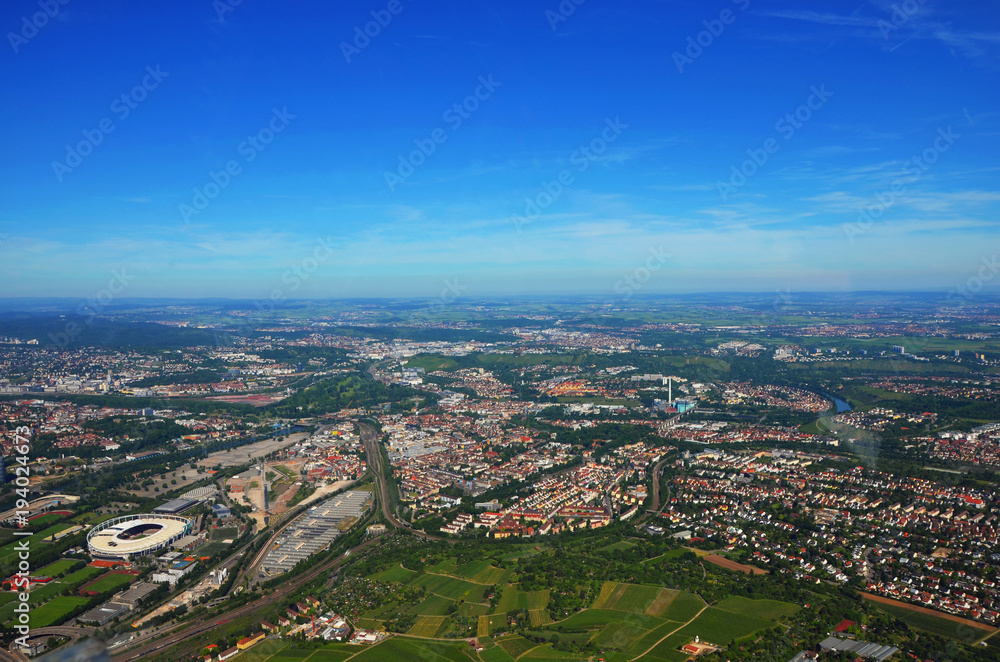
(110, 581)
(34, 541)
(55, 610)
(56, 568)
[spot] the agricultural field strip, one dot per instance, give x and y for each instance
(471, 580)
(683, 625)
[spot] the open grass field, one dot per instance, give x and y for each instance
(369, 624)
(492, 623)
(401, 649)
(472, 610)
(595, 619)
(7, 552)
(470, 569)
(110, 581)
(633, 598)
(55, 610)
(929, 622)
(515, 646)
(56, 568)
(450, 587)
(396, 574)
(477, 572)
(47, 592)
(212, 549)
(667, 650)
(649, 600)
(495, 654)
(514, 599)
(428, 626)
(683, 607)
(771, 610)
(433, 605)
(225, 533)
(82, 575)
(484, 626)
(650, 639)
(48, 518)
(619, 636)
(925, 622)
(720, 627)
(447, 567)
(492, 575)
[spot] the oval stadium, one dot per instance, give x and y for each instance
(127, 537)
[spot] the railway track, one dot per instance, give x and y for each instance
(206, 623)
(185, 632)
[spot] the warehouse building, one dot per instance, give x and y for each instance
(315, 530)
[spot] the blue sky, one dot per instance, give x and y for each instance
(645, 111)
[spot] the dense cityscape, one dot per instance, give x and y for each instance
(362, 486)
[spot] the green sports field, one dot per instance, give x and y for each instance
(54, 611)
(109, 582)
(56, 568)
